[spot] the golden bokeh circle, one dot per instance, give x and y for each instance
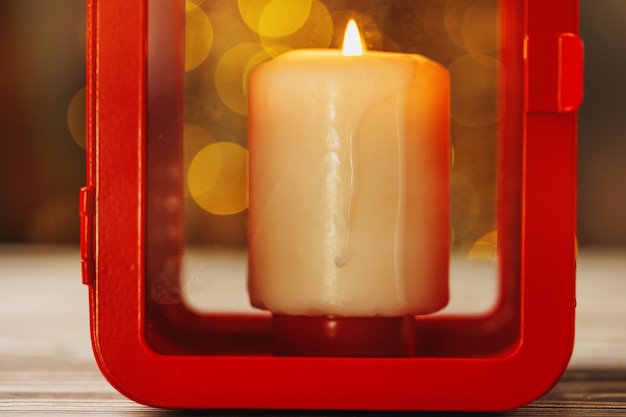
(229, 31)
(254, 60)
(195, 139)
(474, 82)
(473, 24)
(251, 11)
(231, 74)
(217, 178)
(274, 18)
(283, 17)
(315, 32)
(485, 248)
(480, 27)
(76, 117)
(198, 37)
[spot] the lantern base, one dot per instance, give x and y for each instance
(334, 336)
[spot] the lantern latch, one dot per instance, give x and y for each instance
(554, 72)
(87, 212)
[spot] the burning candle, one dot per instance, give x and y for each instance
(349, 183)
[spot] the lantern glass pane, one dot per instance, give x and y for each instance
(198, 253)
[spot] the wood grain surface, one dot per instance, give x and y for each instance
(47, 368)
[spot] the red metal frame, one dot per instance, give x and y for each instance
(165, 356)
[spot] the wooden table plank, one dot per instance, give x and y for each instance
(47, 368)
(581, 392)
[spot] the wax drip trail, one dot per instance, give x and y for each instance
(346, 254)
(400, 214)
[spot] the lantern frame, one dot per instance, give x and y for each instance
(165, 356)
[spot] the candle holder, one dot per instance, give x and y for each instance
(163, 223)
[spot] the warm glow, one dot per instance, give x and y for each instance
(217, 178)
(352, 45)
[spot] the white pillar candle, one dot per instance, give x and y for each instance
(349, 184)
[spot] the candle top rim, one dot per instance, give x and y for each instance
(321, 58)
(337, 53)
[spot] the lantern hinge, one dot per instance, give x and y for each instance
(554, 72)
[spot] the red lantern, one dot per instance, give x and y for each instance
(157, 350)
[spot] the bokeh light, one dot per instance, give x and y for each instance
(198, 36)
(218, 178)
(315, 32)
(485, 248)
(274, 18)
(251, 11)
(210, 112)
(229, 31)
(76, 120)
(473, 24)
(258, 58)
(231, 74)
(461, 34)
(195, 139)
(283, 17)
(474, 85)
(480, 27)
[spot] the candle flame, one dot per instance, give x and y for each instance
(352, 45)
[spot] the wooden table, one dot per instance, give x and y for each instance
(47, 368)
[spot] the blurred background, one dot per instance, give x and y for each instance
(42, 75)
